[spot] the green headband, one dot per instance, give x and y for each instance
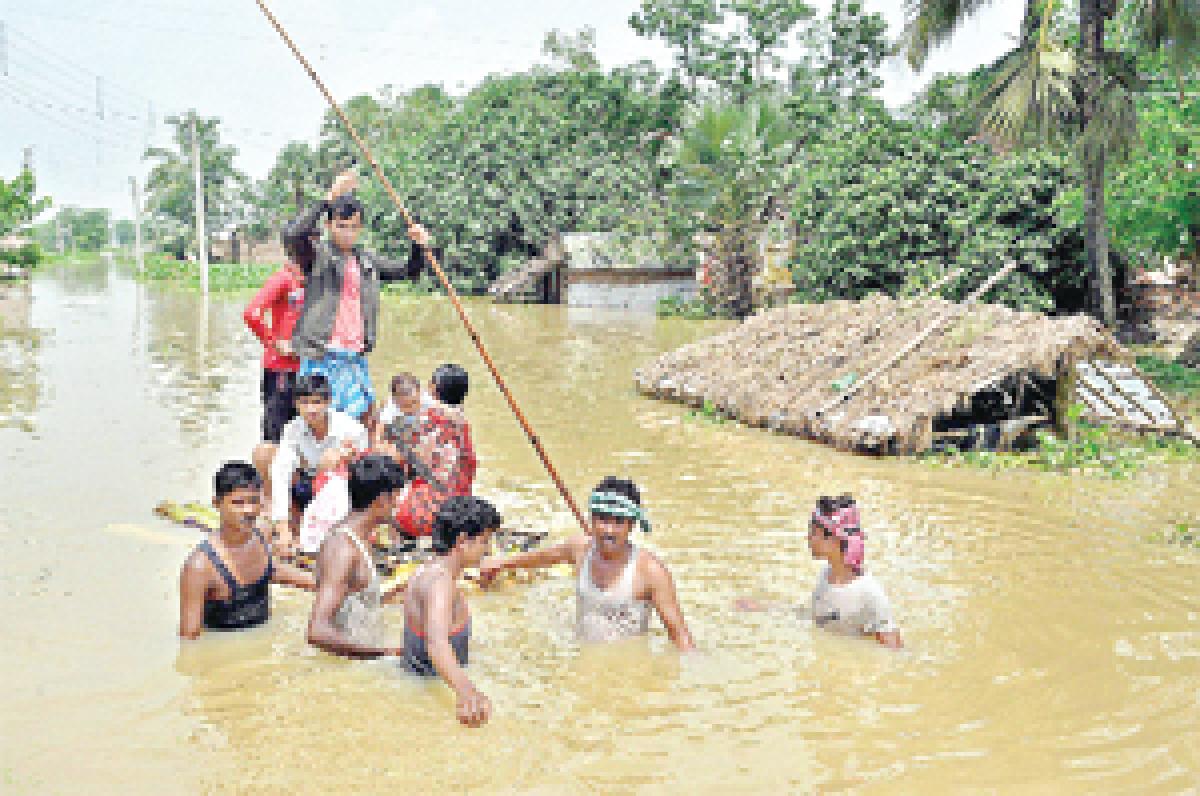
(614, 505)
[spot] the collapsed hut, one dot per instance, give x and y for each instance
(830, 372)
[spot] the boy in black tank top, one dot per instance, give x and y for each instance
(225, 582)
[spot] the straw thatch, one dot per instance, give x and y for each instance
(1190, 357)
(779, 368)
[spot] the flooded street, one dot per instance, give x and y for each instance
(1052, 644)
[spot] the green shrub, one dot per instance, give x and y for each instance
(1170, 376)
(674, 307)
(28, 256)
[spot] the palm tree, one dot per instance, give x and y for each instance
(170, 186)
(732, 161)
(1058, 87)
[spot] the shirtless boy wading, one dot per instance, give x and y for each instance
(346, 616)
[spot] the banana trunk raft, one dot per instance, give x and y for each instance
(396, 556)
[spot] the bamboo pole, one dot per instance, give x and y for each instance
(916, 341)
(433, 264)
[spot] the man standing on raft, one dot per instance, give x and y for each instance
(338, 325)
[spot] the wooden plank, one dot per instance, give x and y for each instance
(1150, 415)
(1093, 379)
(1086, 391)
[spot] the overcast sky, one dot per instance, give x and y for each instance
(155, 57)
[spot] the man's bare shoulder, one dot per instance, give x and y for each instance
(578, 544)
(198, 572)
(197, 564)
(651, 568)
(334, 555)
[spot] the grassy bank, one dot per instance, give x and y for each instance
(221, 276)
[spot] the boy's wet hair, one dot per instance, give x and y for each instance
(372, 476)
(450, 384)
(620, 486)
(233, 476)
(345, 206)
(405, 382)
(462, 515)
(310, 385)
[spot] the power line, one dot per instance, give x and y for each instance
(113, 123)
(70, 65)
(67, 80)
(47, 109)
(74, 72)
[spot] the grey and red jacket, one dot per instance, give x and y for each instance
(323, 268)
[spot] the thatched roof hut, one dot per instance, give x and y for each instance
(779, 368)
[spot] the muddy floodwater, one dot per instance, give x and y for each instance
(1053, 645)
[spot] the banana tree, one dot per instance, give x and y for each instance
(1062, 85)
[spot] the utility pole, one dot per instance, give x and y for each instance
(201, 244)
(99, 97)
(27, 159)
(58, 232)
(137, 225)
(149, 124)
(3, 48)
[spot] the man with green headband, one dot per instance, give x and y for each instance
(617, 583)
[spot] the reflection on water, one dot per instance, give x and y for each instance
(198, 375)
(1052, 646)
(19, 341)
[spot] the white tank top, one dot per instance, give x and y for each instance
(360, 615)
(613, 614)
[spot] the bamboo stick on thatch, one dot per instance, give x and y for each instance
(909, 347)
(924, 295)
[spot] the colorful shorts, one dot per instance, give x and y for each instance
(349, 381)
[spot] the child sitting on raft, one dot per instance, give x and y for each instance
(617, 582)
(403, 409)
(443, 443)
(846, 598)
(437, 623)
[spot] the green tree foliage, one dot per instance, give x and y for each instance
(846, 49)
(733, 44)
(731, 162)
(685, 26)
(1064, 83)
(1153, 197)
(521, 158)
(19, 202)
(84, 229)
(889, 205)
(170, 186)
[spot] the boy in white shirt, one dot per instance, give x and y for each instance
(318, 438)
(846, 599)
